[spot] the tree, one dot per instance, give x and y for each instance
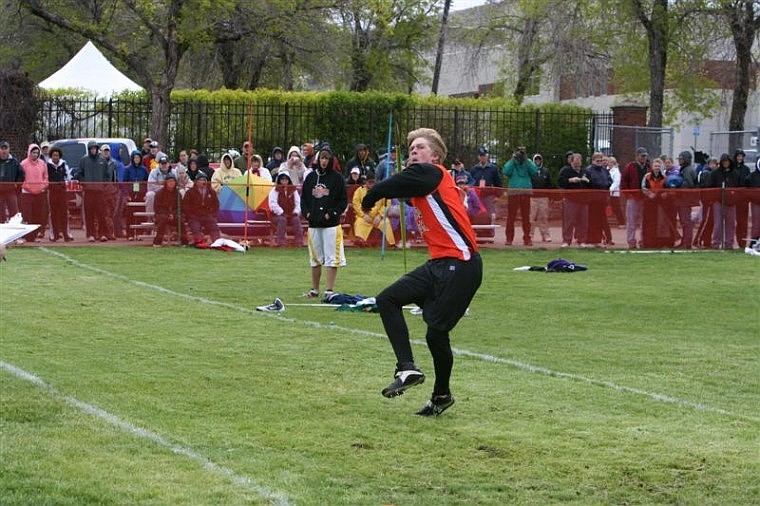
(441, 44)
(657, 26)
(744, 18)
(386, 38)
(164, 31)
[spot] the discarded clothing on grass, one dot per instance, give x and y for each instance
(346, 302)
(557, 265)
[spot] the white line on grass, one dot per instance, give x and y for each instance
(465, 353)
(242, 481)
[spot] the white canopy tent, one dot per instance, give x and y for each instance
(90, 71)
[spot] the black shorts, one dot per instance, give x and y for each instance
(443, 288)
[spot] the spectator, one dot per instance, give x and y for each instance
(95, 173)
(539, 205)
(487, 177)
(686, 199)
(387, 165)
(182, 161)
(375, 218)
(11, 177)
(598, 229)
(615, 201)
(285, 206)
(355, 177)
(153, 158)
(657, 231)
(307, 149)
(45, 151)
(752, 181)
(294, 165)
(246, 154)
(114, 207)
(742, 202)
(335, 162)
(134, 187)
(193, 170)
(258, 169)
(574, 178)
(323, 201)
(728, 178)
(520, 172)
(168, 210)
(470, 199)
(457, 169)
(34, 204)
(630, 183)
(58, 176)
(224, 173)
(146, 147)
(274, 162)
(703, 237)
(204, 166)
(156, 179)
(362, 160)
(201, 207)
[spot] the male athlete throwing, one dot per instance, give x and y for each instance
(444, 286)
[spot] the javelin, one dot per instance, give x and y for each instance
(247, 175)
(388, 155)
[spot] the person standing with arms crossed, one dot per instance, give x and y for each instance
(443, 286)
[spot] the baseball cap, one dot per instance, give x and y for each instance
(4, 144)
(105, 147)
(163, 159)
(483, 150)
(153, 144)
(201, 175)
(356, 170)
(642, 151)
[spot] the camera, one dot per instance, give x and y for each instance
(520, 154)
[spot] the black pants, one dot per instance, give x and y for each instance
(443, 288)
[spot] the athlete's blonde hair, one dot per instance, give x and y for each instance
(434, 140)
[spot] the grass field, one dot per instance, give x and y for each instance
(141, 376)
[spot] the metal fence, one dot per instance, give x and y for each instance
(730, 141)
(215, 127)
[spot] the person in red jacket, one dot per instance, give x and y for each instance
(201, 206)
(630, 184)
(443, 286)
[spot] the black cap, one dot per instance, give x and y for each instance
(163, 159)
(4, 144)
(642, 151)
(483, 150)
(201, 175)
(153, 144)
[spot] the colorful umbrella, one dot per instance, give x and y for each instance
(232, 203)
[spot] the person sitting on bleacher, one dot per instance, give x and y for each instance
(201, 206)
(168, 211)
(374, 218)
(285, 205)
(156, 180)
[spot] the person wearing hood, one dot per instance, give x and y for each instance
(168, 210)
(728, 179)
(258, 169)
(203, 165)
(294, 165)
(685, 199)
(285, 206)
(539, 204)
(520, 171)
(201, 206)
(363, 161)
(615, 200)
(94, 172)
(58, 176)
(134, 187)
(323, 202)
(275, 160)
(752, 181)
(742, 202)
(11, 177)
(34, 204)
(224, 173)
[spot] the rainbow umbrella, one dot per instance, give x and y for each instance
(241, 199)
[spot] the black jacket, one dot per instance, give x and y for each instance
(323, 194)
(10, 172)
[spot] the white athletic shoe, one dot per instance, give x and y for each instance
(275, 307)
